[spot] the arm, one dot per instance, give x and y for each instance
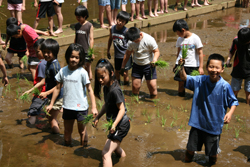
(41, 32)
(6, 42)
(43, 95)
(119, 116)
(56, 92)
(200, 52)
(228, 116)
(5, 80)
(103, 111)
(182, 72)
(126, 58)
(109, 45)
(92, 99)
(1, 2)
(230, 55)
(91, 40)
(23, 6)
(156, 55)
(38, 85)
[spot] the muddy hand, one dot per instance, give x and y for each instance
(122, 71)
(109, 56)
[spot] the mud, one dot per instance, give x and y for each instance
(148, 143)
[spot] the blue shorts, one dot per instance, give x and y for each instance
(236, 84)
(115, 4)
(138, 72)
(73, 114)
(103, 2)
(124, 2)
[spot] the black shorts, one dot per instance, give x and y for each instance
(73, 114)
(118, 64)
(36, 106)
(188, 71)
(121, 130)
(88, 59)
(138, 72)
(60, 4)
(19, 54)
(198, 137)
(45, 7)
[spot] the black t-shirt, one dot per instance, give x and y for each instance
(112, 96)
(241, 66)
(15, 1)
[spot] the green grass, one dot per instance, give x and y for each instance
(27, 81)
(107, 126)
(100, 103)
(131, 115)
(168, 107)
(136, 97)
(172, 123)
(36, 91)
(195, 73)
(87, 119)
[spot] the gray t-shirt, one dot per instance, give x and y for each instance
(143, 51)
(74, 95)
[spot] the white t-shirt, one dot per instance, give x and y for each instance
(74, 90)
(193, 43)
(143, 51)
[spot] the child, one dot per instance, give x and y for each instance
(114, 108)
(30, 36)
(118, 35)
(1, 40)
(132, 3)
(140, 6)
(50, 49)
(194, 59)
(105, 5)
(241, 65)
(17, 45)
(212, 96)
(16, 7)
(84, 35)
(163, 5)
(84, 3)
(45, 6)
(5, 80)
(150, 8)
(145, 54)
(58, 10)
(75, 80)
(39, 83)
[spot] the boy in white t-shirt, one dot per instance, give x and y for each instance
(194, 59)
(145, 53)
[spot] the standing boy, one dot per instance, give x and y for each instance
(85, 36)
(212, 96)
(118, 36)
(194, 59)
(241, 66)
(145, 54)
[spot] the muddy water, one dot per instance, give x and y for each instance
(148, 142)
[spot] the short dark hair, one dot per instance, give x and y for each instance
(11, 20)
(108, 66)
(133, 33)
(216, 56)
(51, 45)
(123, 15)
(38, 43)
(82, 11)
(244, 35)
(78, 48)
(12, 29)
(179, 25)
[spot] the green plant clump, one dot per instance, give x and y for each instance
(108, 125)
(195, 73)
(46, 112)
(24, 59)
(87, 119)
(25, 97)
(162, 64)
(36, 91)
(184, 50)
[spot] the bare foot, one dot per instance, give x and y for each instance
(58, 31)
(196, 5)
(156, 15)
(53, 34)
(144, 17)
(103, 26)
(185, 9)
(131, 19)
(138, 18)
(151, 15)
(21, 65)
(166, 11)
(206, 4)
(160, 12)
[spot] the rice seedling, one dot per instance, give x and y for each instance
(149, 118)
(195, 73)
(184, 109)
(20, 89)
(17, 94)
(24, 60)
(158, 113)
(108, 125)
(136, 97)
(226, 126)
(99, 105)
(25, 97)
(8, 88)
(168, 107)
(17, 77)
(163, 121)
(161, 64)
(144, 112)
(36, 91)
(27, 81)
(87, 119)
(156, 101)
(46, 112)
(131, 115)
(172, 123)
(184, 50)
(91, 52)
(175, 116)
(238, 118)
(237, 132)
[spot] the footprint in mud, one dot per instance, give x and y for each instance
(139, 139)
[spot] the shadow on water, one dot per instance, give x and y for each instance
(96, 154)
(244, 149)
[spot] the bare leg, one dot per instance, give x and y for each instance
(247, 97)
(12, 13)
(236, 93)
(19, 16)
(124, 7)
(176, 6)
(51, 31)
(136, 85)
(137, 10)
(8, 58)
(83, 132)
(166, 6)
(32, 69)
(53, 121)
(101, 16)
(68, 129)
(58, 11)
(21, 65)
(85, 4)
(181, 89)
(152, 86)
(185, 5)
(1, 41)
(132, 11)
(36, 22)
(88, 69)
(155, 7)
(108, 13)
(126, 77)
(150, 9)
(142, 10)
(114, 13)
(189, 156)
(161, 7)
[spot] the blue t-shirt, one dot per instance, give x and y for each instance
(52, 68)
(74, 96)
(210, 102)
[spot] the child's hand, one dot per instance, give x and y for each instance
(49, 108)
(112, 130)
(27, 53)
(5, 81)
(92, 57)
(109, 55)
(122, 71)
(227, 118)
(201, 71)
(43, 95)
(94, 112)
(4, 47)
(56, 2)
(27, 92)
(79, 2)
(35, 4)
(95, 122)
(23, 8)
(181, 62)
